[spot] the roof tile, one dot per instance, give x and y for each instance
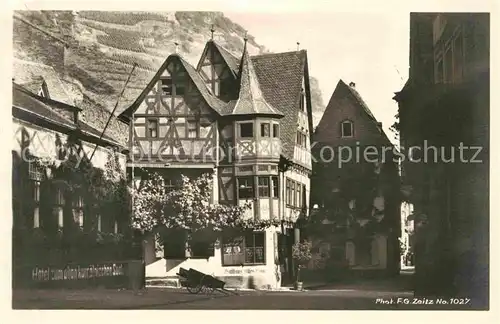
(26, 72)
(280, 76)
(23, 99)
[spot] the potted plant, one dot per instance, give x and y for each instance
(301, 253)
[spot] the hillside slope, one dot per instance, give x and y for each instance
(104, 46)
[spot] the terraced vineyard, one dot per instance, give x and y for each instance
(121, 18)
(107, 44)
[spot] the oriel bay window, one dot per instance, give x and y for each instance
(245, 187)
(248, 249)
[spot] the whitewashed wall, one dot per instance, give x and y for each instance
(44, 143)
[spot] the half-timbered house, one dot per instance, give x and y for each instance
(247, 119)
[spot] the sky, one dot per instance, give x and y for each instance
(369, 49)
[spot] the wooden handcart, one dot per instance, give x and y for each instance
(197, 282)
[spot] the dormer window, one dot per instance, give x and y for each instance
(246, 130)
(265, 130)
(152, 125)
(347, 129)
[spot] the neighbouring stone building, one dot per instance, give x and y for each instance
(445, 106)
(249, 119)
(357, 194)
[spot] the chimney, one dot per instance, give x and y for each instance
(352, 84)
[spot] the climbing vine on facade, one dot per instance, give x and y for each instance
(188, 208)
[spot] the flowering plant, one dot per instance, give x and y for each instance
(188, 207)
(301, 254)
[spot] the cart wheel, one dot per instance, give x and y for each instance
(208, 290)
(194, 289)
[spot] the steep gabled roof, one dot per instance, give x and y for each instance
(342, 90)
(275, 78)
(280, 76)
(362, 103)
(250, 100)
(24, 100)
(232, 61)
(215, 103)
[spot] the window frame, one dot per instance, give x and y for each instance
(240, 129)
(302, 103)
(170, 185)
(288, 191)
(263, 130)
(247, 187)
(304, 196)
(244, 244)
(298, 194)
(346, 122)
(156, 128)
(275, 187)
(190, 122)
(165, 86)
(276, 130)
(264, 189)
(78, 208)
